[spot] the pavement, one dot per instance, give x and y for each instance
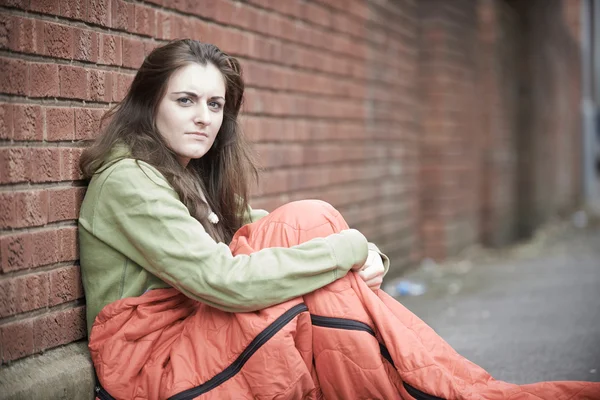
(526, 314)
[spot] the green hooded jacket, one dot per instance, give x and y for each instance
(136, 235)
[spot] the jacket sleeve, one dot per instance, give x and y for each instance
(139, 214)
(254, 215)
(386, 259)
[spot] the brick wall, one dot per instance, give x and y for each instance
(549, 119)
(319, 110)
(498, 77)
(392, 110)
(450, 141)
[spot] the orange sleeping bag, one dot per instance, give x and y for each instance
(343, 341)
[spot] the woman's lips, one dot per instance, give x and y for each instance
(199, 134)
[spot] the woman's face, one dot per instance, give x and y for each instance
(191, 112)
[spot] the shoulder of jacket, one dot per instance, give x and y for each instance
(129, 170)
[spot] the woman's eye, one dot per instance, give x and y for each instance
(185, 101)
(215, 105)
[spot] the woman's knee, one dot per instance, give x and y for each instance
(309, 215)
(291, 224)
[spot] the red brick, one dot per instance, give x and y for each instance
(6, 123)
(24, 293)
(133, 53)
(109, 50)
(73, 82)
(145, 20)
(87, 122)
(59, 328)
(149, 46)
(165, 28)
(14, 79)
(85, 45)
(45, 6)
(287, 29)
(247, 16)
(114, 79)
(60, 123)
(8, 305)
(317, 14)
(74, 9)
(26, 35)
(201, 31)
(98, 12)
(17, 340)
(65, 285)
(28, 122)
(121, 84)
(36, 249)
(222, 11)
(15, 164)
(69, 170)
(64, 203)
(274, 182)
(68, 245)
(122, 14)
(16, 252)
(44, 80)
(58, 40)
(45, 247)
(6, 30)
(22, 4)
(39, 26)
(23, 209)
(99, 85)
(45, 165)
(180, 26)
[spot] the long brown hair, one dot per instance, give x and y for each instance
(222, 174)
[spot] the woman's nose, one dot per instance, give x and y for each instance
(202, 116)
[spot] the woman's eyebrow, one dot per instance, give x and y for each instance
(191, 94)
(194, 95)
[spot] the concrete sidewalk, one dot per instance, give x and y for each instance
(526, 314)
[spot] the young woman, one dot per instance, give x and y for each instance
(169, 188)
(173, 262)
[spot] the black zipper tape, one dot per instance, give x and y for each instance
(340, 323)
(101, 393)
(353, 325)
(350, 324)
(239, 362)
(419, 395)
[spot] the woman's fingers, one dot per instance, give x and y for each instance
(372, 272)
(375, 283)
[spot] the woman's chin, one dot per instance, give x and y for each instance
(194, 153)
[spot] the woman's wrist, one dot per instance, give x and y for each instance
(349, 248)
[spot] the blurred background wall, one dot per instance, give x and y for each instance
(432, 125)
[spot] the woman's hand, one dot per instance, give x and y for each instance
(372, 271)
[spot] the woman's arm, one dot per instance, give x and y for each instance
(139, 214)
(253, 215)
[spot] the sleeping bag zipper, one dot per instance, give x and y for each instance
(350, 324)
(101, 393)
(239, 362)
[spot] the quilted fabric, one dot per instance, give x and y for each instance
(343, 341)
